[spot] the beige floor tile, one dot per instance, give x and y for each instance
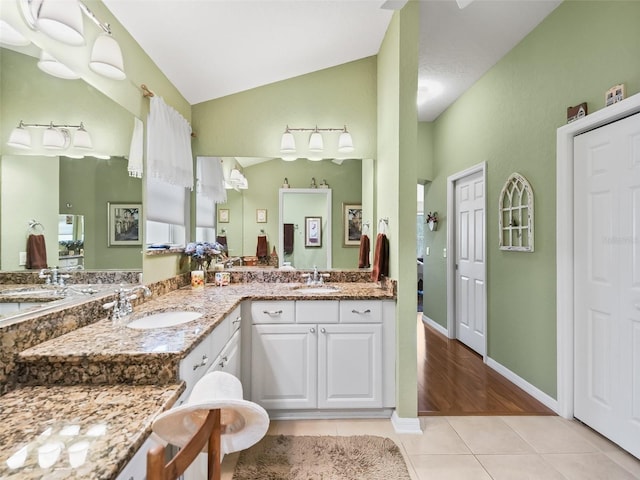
(303, 427)
(381, 428)
(438, 437)
(489, 435)
(588, 466)
(550, 434)
(603, 444)
(518, 467)
(625, 460)
(448, 467)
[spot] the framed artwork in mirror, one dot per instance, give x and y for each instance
(351, 224)
(261, 215)
(313, 231)
(223, 215)
(124, 225)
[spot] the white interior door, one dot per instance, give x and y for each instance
(607, 281)
(470, 294)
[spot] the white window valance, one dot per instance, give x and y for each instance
(169, 156)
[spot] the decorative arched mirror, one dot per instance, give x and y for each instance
(516, 215)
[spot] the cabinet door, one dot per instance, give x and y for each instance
(350, 366)
(284, 366)
(229, 359)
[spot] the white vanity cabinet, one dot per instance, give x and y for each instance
(328, 354)
(136, 469)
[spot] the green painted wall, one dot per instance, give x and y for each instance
(251, 123)
(87, 184)
(509, 119)
(425, 151)
(395, 191)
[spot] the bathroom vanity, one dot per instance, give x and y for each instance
(121, 378)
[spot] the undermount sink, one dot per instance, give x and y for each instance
(315, 289)
(163, 320)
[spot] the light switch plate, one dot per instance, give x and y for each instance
(22, 259)
(444, 252)
(428, 251)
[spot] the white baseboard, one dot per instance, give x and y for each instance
(435, 325)
(405, 425)
(535, 392)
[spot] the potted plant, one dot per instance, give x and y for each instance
(432, 220)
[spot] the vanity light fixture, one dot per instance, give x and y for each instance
(316, 142)
(50, 65)
(54, 137)
(9, 35)
(63, 20)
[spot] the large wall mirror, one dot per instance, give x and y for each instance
(52, 187)
(255, 211)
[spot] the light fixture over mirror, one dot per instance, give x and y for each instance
(10, 36)
(50, 65)
(316, 142)
(54, 137)
(63, 20)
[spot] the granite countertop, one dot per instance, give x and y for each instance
(102, 353)
(91, 432)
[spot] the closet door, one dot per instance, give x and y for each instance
(607, 281)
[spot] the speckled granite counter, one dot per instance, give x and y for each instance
(102, 353)
(109, 423)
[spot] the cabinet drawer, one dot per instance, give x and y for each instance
(235, 318)
(272, 312)
(360, 311)
(220, 335)
(317, 311)
(194, 365)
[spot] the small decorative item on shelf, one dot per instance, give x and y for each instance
(286, 183)
(432, 221)
(197, 279)
(579, 111)
(313, 183)
(614, 95)
(324, 184)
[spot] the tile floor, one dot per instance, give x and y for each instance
(484, 448)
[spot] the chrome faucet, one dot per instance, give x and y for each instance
(53, 276)
(122, 307)
(231, 261)
(315, 278)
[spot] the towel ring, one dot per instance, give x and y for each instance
(33, 226)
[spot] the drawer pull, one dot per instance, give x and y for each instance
(203, 363)
(359, 312)
(223, 362)
(237, 320)
(272, 313)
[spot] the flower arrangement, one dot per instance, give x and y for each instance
(432, 217)
(205, 253)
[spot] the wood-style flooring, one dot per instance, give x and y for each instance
(453, 380)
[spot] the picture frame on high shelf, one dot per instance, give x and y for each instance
(223, 215)
(124, 226)
(261, 215)
(313, 232)
(351, 224)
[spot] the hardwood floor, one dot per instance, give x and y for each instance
(453, 380)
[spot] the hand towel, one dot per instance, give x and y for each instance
(288, 238)
(262, 250)
(380, 258)
(363, 261)
(36, 252)
(135, 167)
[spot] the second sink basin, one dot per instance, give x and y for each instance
(163, 320)
(311, 290)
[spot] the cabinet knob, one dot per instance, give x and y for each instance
(359, 312)
(323, 330)
(312, 330)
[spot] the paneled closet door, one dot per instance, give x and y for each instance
(607, 281)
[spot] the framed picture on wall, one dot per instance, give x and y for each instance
(223, 215)
(351, 224)
(124, 224)
(313, 231)
(261, 215)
